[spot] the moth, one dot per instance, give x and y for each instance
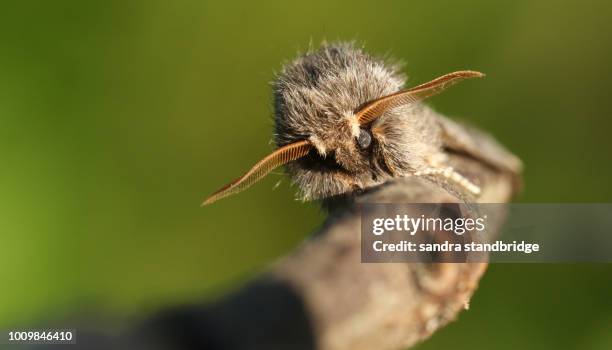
(344, 123)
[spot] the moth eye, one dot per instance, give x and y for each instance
(364, 140)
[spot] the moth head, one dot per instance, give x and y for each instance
(345, 146)
(346, 150)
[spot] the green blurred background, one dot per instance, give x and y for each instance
(117, 118)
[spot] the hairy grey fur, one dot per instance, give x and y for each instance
(316, 97)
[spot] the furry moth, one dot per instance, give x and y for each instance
(344, 122)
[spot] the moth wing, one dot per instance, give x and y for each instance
(466, 139)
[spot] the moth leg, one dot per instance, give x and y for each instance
(451, 175)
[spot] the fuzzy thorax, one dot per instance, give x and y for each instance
(316, 97)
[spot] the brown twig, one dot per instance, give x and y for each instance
(322, 297)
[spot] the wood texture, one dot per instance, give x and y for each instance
(322, 297)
